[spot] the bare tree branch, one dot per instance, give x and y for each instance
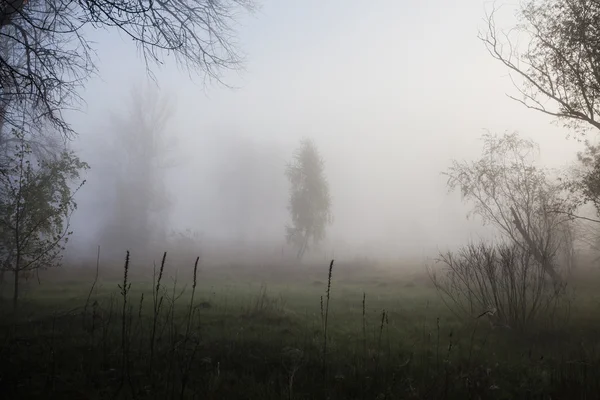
(45, 57)
(561, 62)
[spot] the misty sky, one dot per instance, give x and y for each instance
(390, 91)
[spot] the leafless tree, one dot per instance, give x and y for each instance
(45, 56)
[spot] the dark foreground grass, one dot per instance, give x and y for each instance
(260, 334)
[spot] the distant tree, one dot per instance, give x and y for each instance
(510, 192)
(310, 202)
(140, 155)
(36, 202)
(558, 71)
(248, 185)
(45, 56)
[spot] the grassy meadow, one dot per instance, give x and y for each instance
(272, 332)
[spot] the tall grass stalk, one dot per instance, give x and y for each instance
(364, 326)
(125, 287)
(188, 367)
(327, 313)
(87, 301)
(437, 347)
(191, 308)
(383, 318)
(173, 334)
(322, 315)
(157, 303)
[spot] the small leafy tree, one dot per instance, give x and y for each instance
(508, 281)
(36, 201)
(310, 202)
(510, 192)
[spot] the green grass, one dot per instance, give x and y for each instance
(257, 333)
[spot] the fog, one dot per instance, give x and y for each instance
(390, 92)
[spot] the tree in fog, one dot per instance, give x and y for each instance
(558, 71)
(508, 281)
(583, 181)
(45, 57)
(585, 176)
(507, 190)
(140, 155)
(248, 187)
(310, 202)
(36, 202)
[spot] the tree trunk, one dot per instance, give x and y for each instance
(16, 283)
(537, 254)
(300, 253)
(303, 246)
(16, 290)
(2, 271)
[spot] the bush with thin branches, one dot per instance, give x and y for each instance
(501, 281)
